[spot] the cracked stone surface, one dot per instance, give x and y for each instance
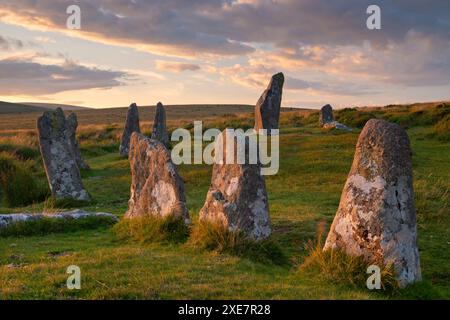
(326, 115)
(267, 110)
(8, 219)
(131, 125)
(237, 197)
(156, 187)
(72, 124)
(57, 153)
(376, 218)
(159, 126)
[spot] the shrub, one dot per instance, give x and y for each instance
(216, 237)
(18, 187)
(354, 118)
(20, 152)
(152, 229)
(442, 129)
(54, 225)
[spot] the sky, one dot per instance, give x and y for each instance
(224, 51)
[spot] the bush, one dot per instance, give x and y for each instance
(152, 229)
(215, 237)
(20, 152)
(18, 187)
(54, 225)
(442, 129)
(354, 118)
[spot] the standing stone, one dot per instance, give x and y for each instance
(237, 197)
(267, 110)
(61, 167)
(159, 126)
(72, 124)
(131, 125)
(156, 188)
(326, 115)
(376, 218)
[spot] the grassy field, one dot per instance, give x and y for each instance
(304, 194)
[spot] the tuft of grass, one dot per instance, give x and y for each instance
(48, 225)
(152, 229)
(17, 186)
(340, 268)
(53, 204)
(216, 237)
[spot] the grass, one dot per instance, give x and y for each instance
(313, 168)
(215, 237)
(46, 226)
(152, 229)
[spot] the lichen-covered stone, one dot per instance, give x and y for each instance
(12, 218)
(267, 110)
(159, 126)
(60, 165)
(326, 115)
(336, 125)
(131, 125)
(237, 197)
(156, 188)
(376, 218)
(72, 124)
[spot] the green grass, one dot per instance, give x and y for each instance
(313, 168)
(46, 226)
(152, 229)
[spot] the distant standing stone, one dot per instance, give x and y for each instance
(326, 115)
(267, 110)
(237, 197)
(376, 218)
(131, 125)
(156, 188)
(60, 165)
(72, 124)
(159, 125)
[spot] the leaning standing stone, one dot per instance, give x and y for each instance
(159, 125)
(72, 125)
(267, 110)
(131, 125)
(237, 197)
(376, 218)
(61, 167)
(156, 188)
(326, 115)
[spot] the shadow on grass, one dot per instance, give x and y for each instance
(215, 237)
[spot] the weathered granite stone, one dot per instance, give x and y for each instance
(326, 115)
(9, 219)
(131, 125)
(159, 126)
(336, 125)
(237, 197)
(156, 187)
(376, 218)
(72, 124)
(267, 110)
(61, 167)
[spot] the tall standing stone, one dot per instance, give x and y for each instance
(159, 125)
(237, 197)
(60, 165)
(156, 188)
(376, 218)
(131, 125)
(72, 124)
(326, 115)
(267, 110)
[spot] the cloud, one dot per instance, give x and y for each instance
(176, 67)
(8, 44)
(21, 77)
